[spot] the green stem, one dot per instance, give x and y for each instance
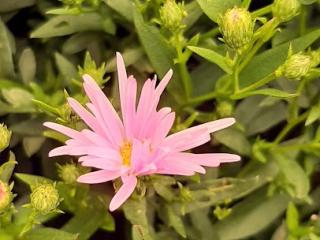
(258, 84)
(293, 107)
(235, 75)
(202, 98)
(290, 126)
(186, 79)
(262, 11)
(246, 3)
(270, 26)
(303, 21)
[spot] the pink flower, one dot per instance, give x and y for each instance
(138, 145)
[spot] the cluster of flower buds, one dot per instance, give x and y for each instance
(6, 196)
(237, 28)
(295, 67)
(5, 136)
(172, 14)
(70, 172)
(285, 10)
(44, 198)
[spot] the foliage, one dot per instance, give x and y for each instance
(264, 71)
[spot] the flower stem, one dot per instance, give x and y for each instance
(262, 11)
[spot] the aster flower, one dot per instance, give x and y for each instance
(137, 143)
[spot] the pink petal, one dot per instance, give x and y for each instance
(99, 176)
(63, 129)
(129, 111)
(163, 128)
(105, 108)
(123, 193)
(102, 163)
(219, 124)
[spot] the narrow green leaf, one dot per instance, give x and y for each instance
(27, 65)
(194, 12)
(314, 115)
(49, 234)
(214, 8)
(268, 61)
(292, 218)
(294, 174)
(66, 68)
(272, 92)
(176, 222)
(6, 169)
(67, 24)
(160, 54)
(32, 180)
(212, 56)
(123, 7)
(6, 61)
(251, 216)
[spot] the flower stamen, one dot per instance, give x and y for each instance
(125, 151)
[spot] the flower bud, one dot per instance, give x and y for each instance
(44, 198)
(5, 136)
(295, 67)
(237, 27)
(224, 109)
(315, 58)
(285, 10)
(70, 172)
(6, 196)
(171, 15)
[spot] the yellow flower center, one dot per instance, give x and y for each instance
(125, 151)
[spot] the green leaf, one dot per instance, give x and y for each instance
(136, 212)
(294, 174)
(307, 2)
(292, 218)
(259, 119)
(85, 222)
(314, 115)
(272, 92)
(130, 56)
(32, 180)
(68, 24)
(176, 222)
(218, 191)
(234, 139)
(214, 8)
(194, 12)
(159, 52)
(123, 7)
(27, 65)
(50, 234)
(66, 68)
(80, 41)
(6, 61)
(18, 97)
(213, 57)
(251, 216)
(6, 169)
(268, 61)
(12, 5)
(31, 145)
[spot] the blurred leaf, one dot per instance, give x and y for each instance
(31, 145)
(136, 212)
(123, 7)
(307, 2)
(27, 65)
(66, 68)
(272, 92)
(218, 191)
(49, 234)
(234, 139)
(251, 216)
(6, 169)
(12, 5)
(212, 56)
(270, 60)
(80, 41)
(18, 97)
(163, 186)
(176, 222)
(259, 119)
(67, 24)
(194, 12)
(214, 8)
(292, 218)
(28, 127)
(32, 180)
(294, 174)
(85, 222)
(6, 61)
(161, 55)
(314, 115)
(130, 56)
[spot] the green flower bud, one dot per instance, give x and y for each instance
(70, 172)
(171, 15)
(6, 196)
(237, 27)
(315, 58)
(224, 109)
(5, 136)
(295, 67)
(44, 198)
(285, 10)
